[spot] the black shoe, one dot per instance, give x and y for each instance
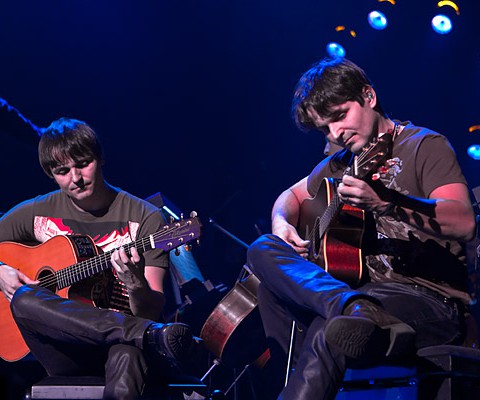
(174, 341)
(366, 333)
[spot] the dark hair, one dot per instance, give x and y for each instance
(66, 139)
(326, 84)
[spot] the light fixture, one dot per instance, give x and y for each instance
(441, 24)
(377, 20)
(335, 50)
(474, 151)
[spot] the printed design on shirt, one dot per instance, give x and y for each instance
(388, 229)
(389, 226)
(46, 228)
(113, 239)
(388, 175)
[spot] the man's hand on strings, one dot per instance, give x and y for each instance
(130, 269)
(360, 194)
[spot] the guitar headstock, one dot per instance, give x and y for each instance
(374, 155)
(178, 233)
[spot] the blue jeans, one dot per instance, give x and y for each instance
(293, 288)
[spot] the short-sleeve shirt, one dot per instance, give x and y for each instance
(423, 161)
(127, 219)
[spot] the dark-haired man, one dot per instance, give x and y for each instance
(413, 290)
(70, 337)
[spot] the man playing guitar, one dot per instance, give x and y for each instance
(70, 337)
(411, 291)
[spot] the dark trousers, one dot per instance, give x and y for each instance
(71, 338)
(293, 288)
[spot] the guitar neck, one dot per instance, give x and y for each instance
(361, 167)
(87, 268)
(169, 237)
(330, 213)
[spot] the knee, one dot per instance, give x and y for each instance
(262, 250)
(23, 299)
(260, 246)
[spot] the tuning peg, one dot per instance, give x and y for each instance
(198, 242)
(193, 214)
(188, 247)
(177, 252)
(171, 219)
(181, 216)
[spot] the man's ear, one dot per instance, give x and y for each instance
(370, 96)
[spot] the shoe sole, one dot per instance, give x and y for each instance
(177, 341)
(360, 338)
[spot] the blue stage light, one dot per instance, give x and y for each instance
(441, 24)
(335, 50)
(377, 20)
(474, 151)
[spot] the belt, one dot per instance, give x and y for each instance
(456, 304)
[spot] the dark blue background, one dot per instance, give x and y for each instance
(192, 98)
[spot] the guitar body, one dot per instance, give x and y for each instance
(235, 318)
(38, 262)
(339, 250)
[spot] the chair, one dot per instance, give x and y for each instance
(91, 388)
(436, 373)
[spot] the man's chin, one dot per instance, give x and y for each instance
(357, 147)
(354, 148)
(79, 194)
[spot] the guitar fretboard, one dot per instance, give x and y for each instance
(167, 238)
(84, 269)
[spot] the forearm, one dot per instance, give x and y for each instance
(449, 219)
(285, 209)
(145, 302)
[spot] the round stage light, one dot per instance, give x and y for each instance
(441, 24)
(474, 151)
(335, 50)
(377, 20)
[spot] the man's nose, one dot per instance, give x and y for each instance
(334, 131)
(76, 175)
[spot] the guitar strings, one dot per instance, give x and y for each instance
(60, 278)
(96, 261)
(322, 223)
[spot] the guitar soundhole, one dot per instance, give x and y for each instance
(47, 280)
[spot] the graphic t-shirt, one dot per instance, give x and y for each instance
(423, 161)
(127, 219)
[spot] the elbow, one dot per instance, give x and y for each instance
(468, 230)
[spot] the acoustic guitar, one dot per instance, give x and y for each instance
(335, 229)
(234, 332)
(64, 264)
